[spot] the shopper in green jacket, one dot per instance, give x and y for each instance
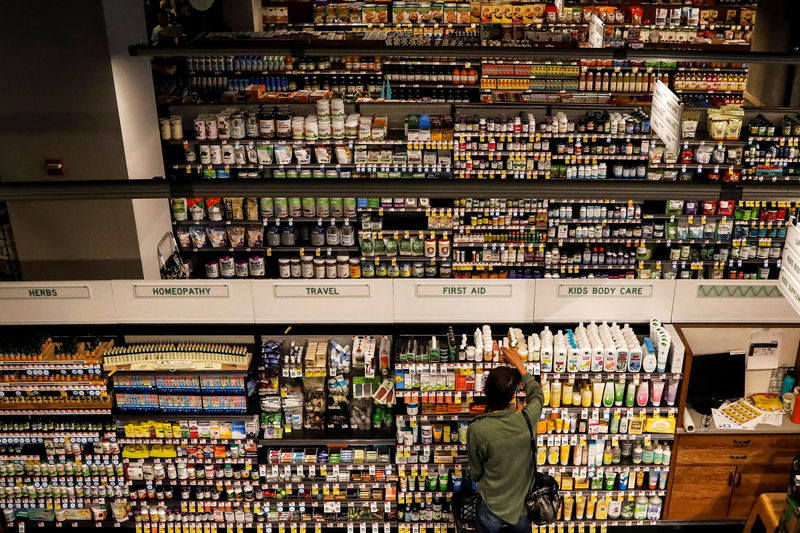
(499, 443)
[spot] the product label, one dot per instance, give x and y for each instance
(665, 116)
(450, 290)
(35, 293)
(790, 288)
(181, 291)
(322, 291)
(596, 32)
(627, 291)
(793, 239)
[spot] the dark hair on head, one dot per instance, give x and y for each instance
(500, 386)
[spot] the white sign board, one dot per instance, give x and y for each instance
(790, 287)
(321, 290)
(597, 32)
(473, 301)
(463, 290)
(562, 300)
(624, 291)
(721, 300)
(181, 290)
(789, 281)
(184, 301)
(323, 301)
(44, 292)
(665, 116)
(59, 302)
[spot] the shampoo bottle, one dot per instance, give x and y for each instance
(547, 350)
(650, 361)
(546, 390)
(559, 353)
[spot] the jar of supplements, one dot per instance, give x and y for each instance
(212, 269)
(367, 269)
(240, 267)
(381, 269)
(330, 267)
(318, 235)
(319, 268)
(445, 269)
(295, 267)
(227, 269)
(355, 267)
(257, 266)
(288, 235)
(342, 266)
(418, 269)
(307, 266)
(284, 270)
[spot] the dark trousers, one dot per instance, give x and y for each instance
(488, 523)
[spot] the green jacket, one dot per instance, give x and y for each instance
(500, 456)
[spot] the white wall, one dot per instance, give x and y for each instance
(138, 117)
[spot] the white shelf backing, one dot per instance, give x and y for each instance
(463, 300)
(568, 300)
(184, 301)
(57, 302)
(730, 301)
(323, 301)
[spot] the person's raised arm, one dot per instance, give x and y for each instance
(534, 397)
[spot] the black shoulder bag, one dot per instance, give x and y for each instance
(543, 500)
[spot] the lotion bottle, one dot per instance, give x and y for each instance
(559, 353)
(547, 350)
(649, 361)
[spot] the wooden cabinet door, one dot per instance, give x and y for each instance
(750, 482)
(701, 492)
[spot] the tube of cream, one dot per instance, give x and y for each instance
(619, 391)
(656, 391)
(672, 391)
(608, 394)
(630, 393)
(597, 389)
(641, 396)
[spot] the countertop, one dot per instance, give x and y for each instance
(762, 429)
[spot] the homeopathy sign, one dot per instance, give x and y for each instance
(615, 291)
(182, 291)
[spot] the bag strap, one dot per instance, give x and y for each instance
(530, 430)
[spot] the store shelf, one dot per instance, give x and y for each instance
(342, 437)
(430, 188)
